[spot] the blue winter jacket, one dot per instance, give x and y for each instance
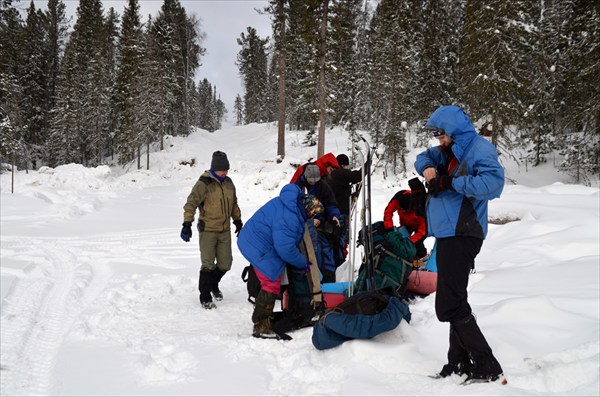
(479, 177)
(271, 236)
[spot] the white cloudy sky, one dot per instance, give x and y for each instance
(222, 21)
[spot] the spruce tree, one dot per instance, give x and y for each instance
(129, 83)
(252, 63)
(33, 80)
(580, 143)
(57, 25)
(342, 62)
(438, 29)
(178, 51)
(81, 117)
(238, 109)
(496, 52)
(11, 27)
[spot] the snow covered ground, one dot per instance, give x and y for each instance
(99, 293)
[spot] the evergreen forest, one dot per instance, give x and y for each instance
(526, 71)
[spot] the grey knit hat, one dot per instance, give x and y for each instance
(312, 173)
(219, 162)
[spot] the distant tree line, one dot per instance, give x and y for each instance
(111, 86)
(527, 72)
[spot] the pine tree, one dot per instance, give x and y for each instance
(220, 110)
(128, 86)
(581, 113)
(11, 27)
(57, 25)
(238, 109)
(392, 58)
(157, 86)
(252, 63)
(81, 118)
(346, 16)
(178, 53)
(438, 32)
(496, 52)
(302, 66)
(544, 70)
(33, 80)
(204, 104)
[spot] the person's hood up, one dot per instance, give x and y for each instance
(455, 122)
(326, 160)
(293, 198)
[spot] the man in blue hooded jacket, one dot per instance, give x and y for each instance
(463, 174)
(270, 240)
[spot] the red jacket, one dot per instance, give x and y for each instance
(326, 160)
(416, 225)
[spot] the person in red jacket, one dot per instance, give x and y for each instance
(326, 163)
(415, 224)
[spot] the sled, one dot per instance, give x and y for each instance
(424, 281)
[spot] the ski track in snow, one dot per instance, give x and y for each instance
(42, 306)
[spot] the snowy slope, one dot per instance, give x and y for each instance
(99, 293)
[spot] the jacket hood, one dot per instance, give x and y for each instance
(293, 198)
(326, 160)
(455, 122)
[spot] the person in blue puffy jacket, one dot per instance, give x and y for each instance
(462, 174)
(270, 240)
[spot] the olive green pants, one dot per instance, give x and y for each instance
(215, 246)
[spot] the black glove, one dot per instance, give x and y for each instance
(436, 185)
(186, 231)
(418, 196)
(238, 226)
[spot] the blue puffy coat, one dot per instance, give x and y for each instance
(271, 236)
(479, 177)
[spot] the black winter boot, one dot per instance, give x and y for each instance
(263, 315)
(216, 292)
(484, 365)
(205, 283)
(458, 358)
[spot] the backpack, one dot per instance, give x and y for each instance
(302, 309)
(392, 265)
(252, 283)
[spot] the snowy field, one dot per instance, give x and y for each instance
(99, 293)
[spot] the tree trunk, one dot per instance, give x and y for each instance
(322, 104)
(148, 155)
(281, 82)
(12, 173)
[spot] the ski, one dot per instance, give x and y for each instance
(501, 380)
(275, 336)
(367, 219)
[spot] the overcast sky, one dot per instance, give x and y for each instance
(222, 22)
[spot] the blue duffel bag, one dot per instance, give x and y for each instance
(362, 316)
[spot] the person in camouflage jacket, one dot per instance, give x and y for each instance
(215, 197)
